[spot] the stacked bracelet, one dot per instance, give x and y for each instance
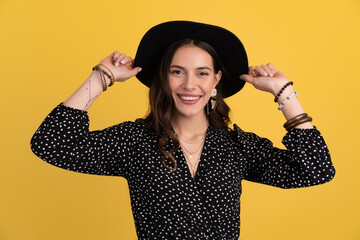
(298, 122)
(294, 119)
(287, 99)
(102, 72)
(103, 80)
(282, 90)
(110, 76)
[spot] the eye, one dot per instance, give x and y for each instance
(204, 74)
(176, 72)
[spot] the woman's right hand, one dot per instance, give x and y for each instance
(121, 66)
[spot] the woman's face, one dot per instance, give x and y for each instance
(191, 79)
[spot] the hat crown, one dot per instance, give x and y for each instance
(228, 47)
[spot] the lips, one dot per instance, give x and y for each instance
(189, 99)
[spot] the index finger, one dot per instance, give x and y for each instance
(251, 71)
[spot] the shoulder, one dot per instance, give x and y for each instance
(236, 137)
(136, 128)
(247, 138)
(219, 135)
(131, 126)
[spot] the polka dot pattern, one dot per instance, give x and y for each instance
(174, 205)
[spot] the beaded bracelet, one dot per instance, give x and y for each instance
(287, 99)
(111, 75)
(294, 119)
(298, 122)
(281, 90)
(103, 80)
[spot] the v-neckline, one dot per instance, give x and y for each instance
(201, 159)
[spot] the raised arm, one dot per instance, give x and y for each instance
(267, 78)
(64, 140)
(117, 64)
(306, 161)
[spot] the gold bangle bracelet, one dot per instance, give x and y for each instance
(298, 122)
(294, 119)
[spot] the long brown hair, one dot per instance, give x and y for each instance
(162, 103)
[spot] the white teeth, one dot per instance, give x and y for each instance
(188, 98)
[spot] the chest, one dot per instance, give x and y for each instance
(218, 176)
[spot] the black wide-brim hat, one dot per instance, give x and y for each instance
(229, 48)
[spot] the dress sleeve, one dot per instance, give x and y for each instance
(306, 162)
(63, 139)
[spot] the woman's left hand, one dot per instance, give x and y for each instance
(265, 78)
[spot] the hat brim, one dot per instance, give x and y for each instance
(229, 48)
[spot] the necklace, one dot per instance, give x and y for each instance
(192, 142)
(190, 154)
(192, 167)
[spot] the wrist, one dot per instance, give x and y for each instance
(280, 88)
(110, 79)
(107, 78)
(287, 92)
(277, 86)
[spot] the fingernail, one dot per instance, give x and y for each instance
(122, 61)
(140, 69)
(265, 74)
(270, 74)
(242, 77)
(116, 64)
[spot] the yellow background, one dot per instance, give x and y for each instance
(48, 48)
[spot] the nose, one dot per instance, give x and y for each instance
(189, 82)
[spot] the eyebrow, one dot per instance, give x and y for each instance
(199, 68)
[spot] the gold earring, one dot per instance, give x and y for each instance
(213, 92)
(211, 105)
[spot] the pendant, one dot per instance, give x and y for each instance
(190, 156)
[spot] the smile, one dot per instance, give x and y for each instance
(187, 99)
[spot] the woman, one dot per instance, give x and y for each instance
(183, 163)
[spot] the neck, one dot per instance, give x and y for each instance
(190, 127)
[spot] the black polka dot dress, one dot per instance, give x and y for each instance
(174, 205)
